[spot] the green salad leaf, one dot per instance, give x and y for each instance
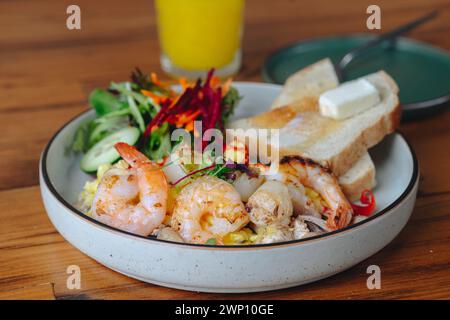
(142, 81)
(104, 102)
(103, 128)
(211, 241)
(80, 141)
(229, 103)
(139, 105)
(220, 171)
(135, 112)
(158, 145)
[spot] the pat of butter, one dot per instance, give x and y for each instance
(348, 99)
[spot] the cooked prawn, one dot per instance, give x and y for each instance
(298, 172)
(300, 201)
(207, 208)
(270, 204)
(133, 199)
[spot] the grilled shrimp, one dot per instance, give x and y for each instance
(270, 204)
(247, 185)
(300, 201)
(133, 199)
(298, 172)
(208, 208)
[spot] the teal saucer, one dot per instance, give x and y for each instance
(421, 71)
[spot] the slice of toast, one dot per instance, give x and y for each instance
(359, 177)
(308, 82)
(336, 144)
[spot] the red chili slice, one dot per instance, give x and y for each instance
(368, 199)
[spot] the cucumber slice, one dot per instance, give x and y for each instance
(104, 151)
(106, 127)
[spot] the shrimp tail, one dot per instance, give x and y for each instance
(340, 218)
(132, 155)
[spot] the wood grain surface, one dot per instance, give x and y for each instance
(47, 71)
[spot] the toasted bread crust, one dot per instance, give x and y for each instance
(306, 162)
(353, 190)
(302, 83)
(368, 138)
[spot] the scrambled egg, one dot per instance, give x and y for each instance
(243, 236)
(273, 233)
(90, 187)
(316, 198)
(171, 198)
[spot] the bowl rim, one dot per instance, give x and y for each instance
(79, 214)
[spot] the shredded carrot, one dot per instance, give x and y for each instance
(183, 82)
(155, 79)
(189, 127)
(157, 98)
(215, 82)
(186, 118)
(174, 102)
(226, 86)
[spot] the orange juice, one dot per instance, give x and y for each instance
(200, 34)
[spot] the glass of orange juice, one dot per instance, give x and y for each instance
(197, 35)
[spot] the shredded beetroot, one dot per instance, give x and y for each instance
(158, 118)
(203, 99)
(169, 108)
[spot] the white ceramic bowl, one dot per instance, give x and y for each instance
(230, 269)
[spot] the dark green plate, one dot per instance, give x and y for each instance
(421, 71)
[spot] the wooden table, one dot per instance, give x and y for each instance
(47, 71)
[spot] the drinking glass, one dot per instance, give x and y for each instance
(197, 35)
